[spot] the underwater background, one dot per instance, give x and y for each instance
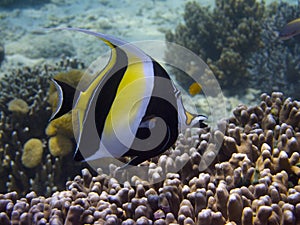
(253, 178)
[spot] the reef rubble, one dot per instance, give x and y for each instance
(253, 180)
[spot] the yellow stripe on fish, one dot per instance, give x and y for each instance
(131, 108)
(85, 96)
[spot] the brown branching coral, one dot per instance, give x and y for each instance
(275, 67)
(254, 180)
(223, 37)
(273, 131)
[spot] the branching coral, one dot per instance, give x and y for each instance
(275, 67)
(255, 180)
(24, 114)
(239, 41)
(223, 37)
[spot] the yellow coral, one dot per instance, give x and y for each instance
(32, 153)
(60, 145)
(52, 100)
(51, 130)
(61, 125)
(18, 106)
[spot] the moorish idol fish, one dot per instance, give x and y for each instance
(130, 101)
(290, 30)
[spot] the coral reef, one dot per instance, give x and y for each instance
(223, 37)
(239, 42)
(275, 67)
(253, 180)
(24, 114)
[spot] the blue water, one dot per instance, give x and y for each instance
(22, 24)
(28, 39)
(23, 33)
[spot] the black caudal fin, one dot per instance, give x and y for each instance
(66, 94)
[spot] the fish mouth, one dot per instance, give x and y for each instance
(287, 35)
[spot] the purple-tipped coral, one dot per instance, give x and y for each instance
(253, 181)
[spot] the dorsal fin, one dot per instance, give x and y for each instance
(108, 39)
(112, 42)
(66, 94)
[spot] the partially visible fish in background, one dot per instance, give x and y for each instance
(195, 88)
(107, 108)
(290, 30)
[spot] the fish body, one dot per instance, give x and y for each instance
(131, 108)
(290, 30)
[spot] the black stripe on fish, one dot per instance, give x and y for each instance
(105, 100)
(66, 94)
(163, 107)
